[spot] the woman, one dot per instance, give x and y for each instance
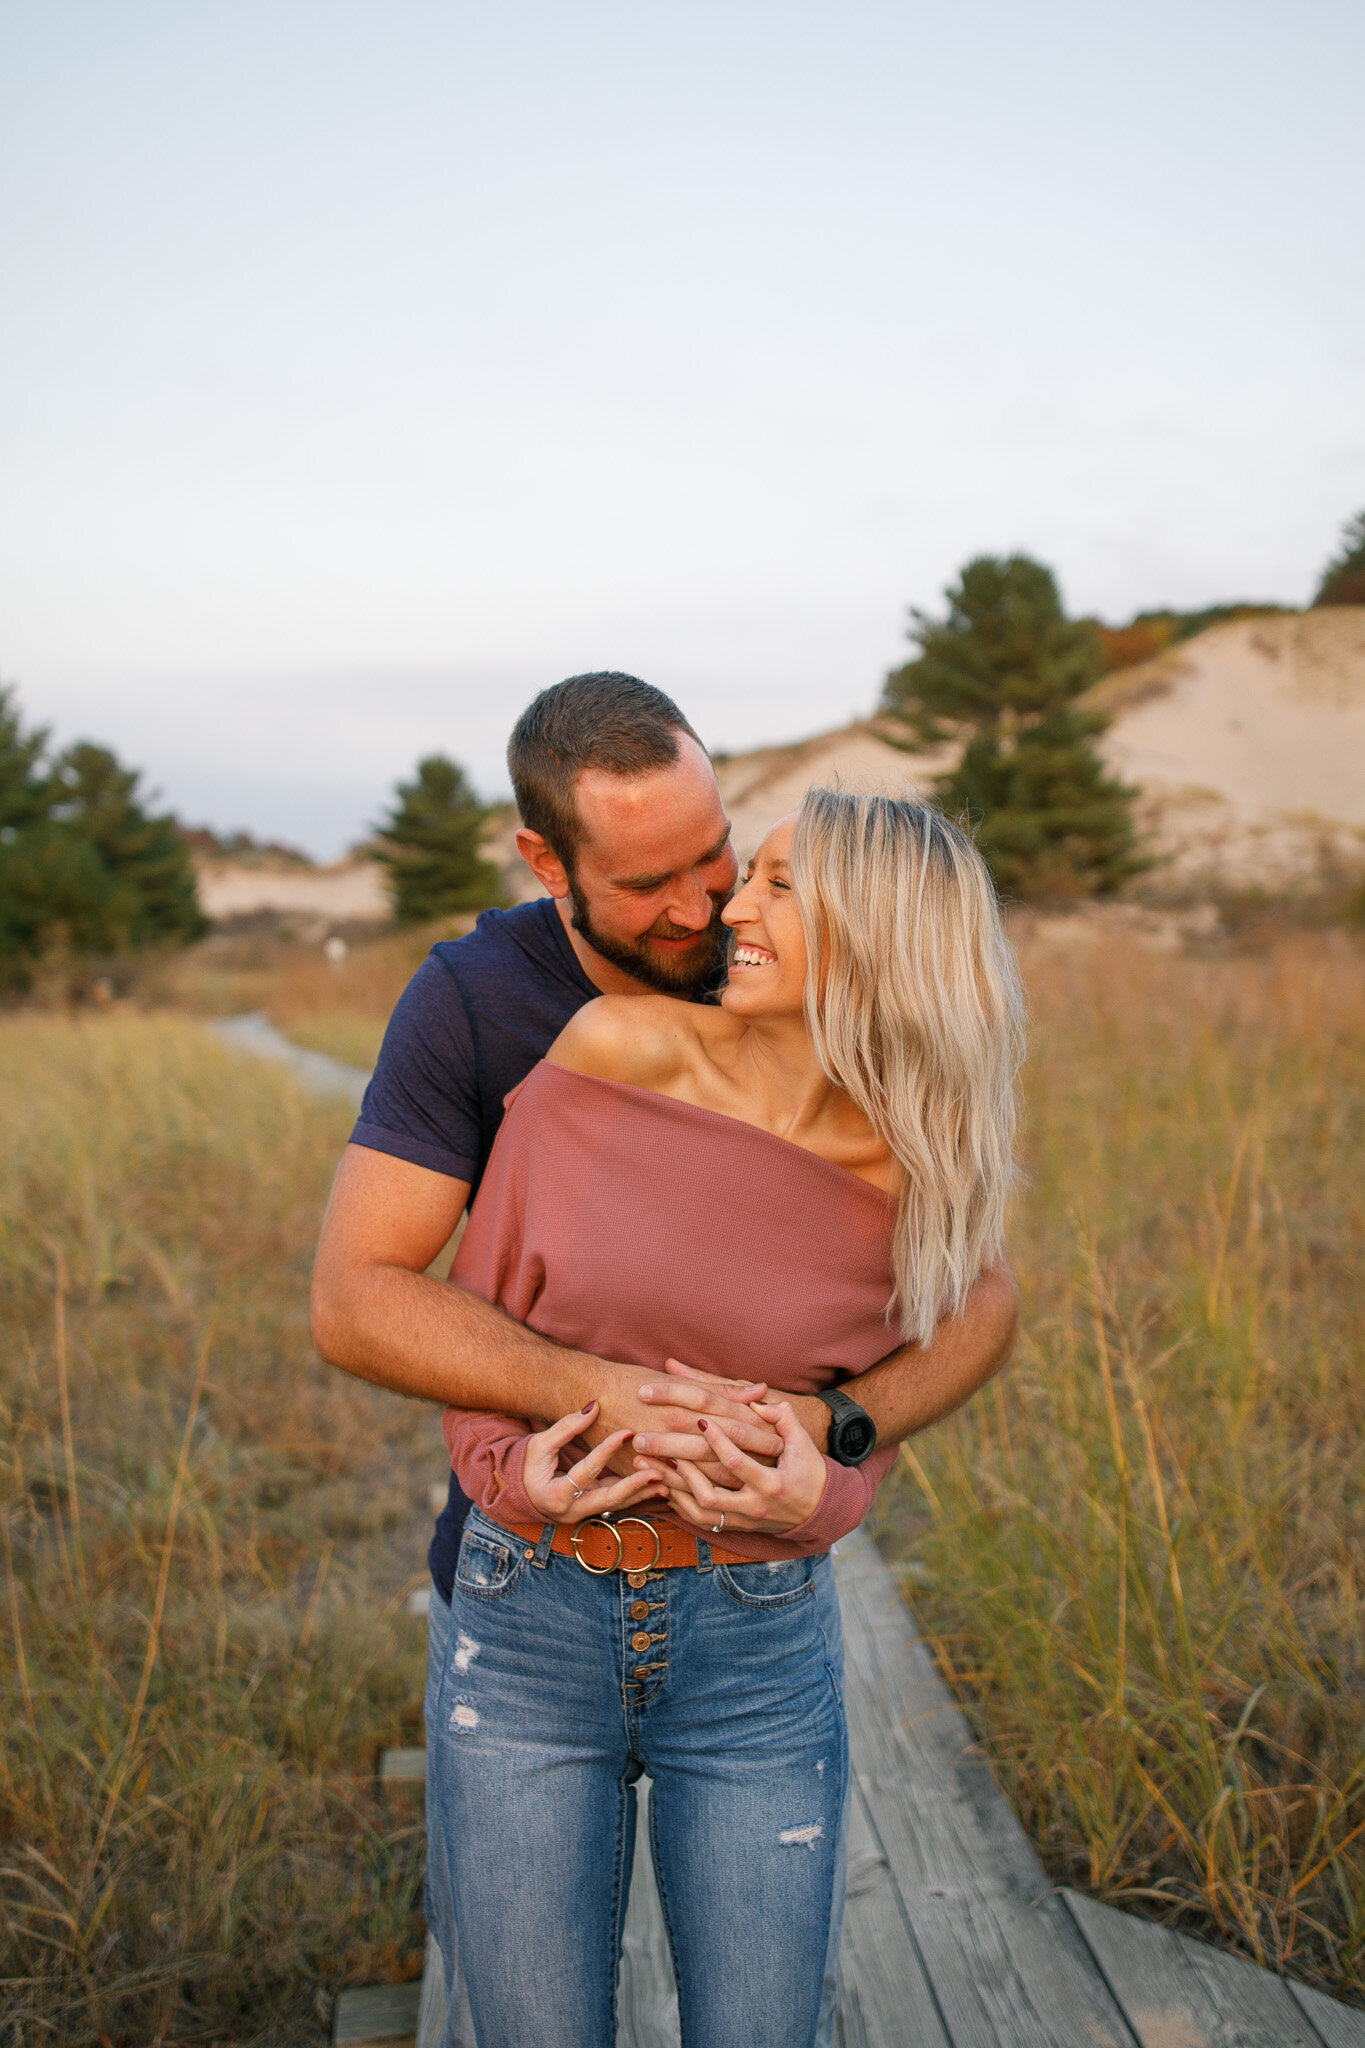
(808, 1175)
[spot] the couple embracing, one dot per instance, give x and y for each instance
(741, 1148)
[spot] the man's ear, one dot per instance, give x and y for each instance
(548, 869)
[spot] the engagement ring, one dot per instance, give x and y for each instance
(716, 1527)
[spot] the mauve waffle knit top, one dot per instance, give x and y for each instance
(639, 1228)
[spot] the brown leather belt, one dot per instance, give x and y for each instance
(632, 1545)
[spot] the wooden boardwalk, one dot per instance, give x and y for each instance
(953, 1937)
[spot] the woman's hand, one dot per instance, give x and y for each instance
(769, 1499)
(579, 1493)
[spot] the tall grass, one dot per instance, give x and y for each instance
(1139, 1557)
(338, 1007)
(207, 1537)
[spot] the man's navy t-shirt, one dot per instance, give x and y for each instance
(473, 1021)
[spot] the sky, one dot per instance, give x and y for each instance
(365, 368)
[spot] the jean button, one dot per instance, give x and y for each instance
(639, 1609)
(639, 1641)
(636, 1578)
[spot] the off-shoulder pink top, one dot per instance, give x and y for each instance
(639, 1228)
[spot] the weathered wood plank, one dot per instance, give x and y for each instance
(431, 2014)
(378, 2016)
(647, 1997)
(885, 2000)
(1178, 1991)
(1006, 1964)
(402, 1767)
(1341, 2026)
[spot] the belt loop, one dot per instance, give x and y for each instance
(703, 1556)
(547, 1537)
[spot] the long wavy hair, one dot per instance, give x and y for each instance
(915, 1008)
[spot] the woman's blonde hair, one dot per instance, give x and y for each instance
(915, 1008)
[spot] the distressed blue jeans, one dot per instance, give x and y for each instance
(550, 1693)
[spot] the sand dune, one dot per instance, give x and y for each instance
(352, 892)
(1248, 744)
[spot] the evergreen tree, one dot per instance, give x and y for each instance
(82, 864)
(149, 893)
(1001, 675)
(48, 881)
(431, 842)
(25, 791)
(1343, 580)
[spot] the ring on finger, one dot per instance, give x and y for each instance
(577, 1492)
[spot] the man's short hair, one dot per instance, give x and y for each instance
(604, 720)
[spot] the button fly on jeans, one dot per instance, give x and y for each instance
(639, 1609)
(640, 1641)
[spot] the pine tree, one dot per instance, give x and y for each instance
(25, 791)
(1002, 675)
(431, 842)
(150, 892)
(1343, 580)
(50, 883)
(82, 863)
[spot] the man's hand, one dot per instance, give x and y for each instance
(770, 1499)
(379, 1314)
(680, 1405)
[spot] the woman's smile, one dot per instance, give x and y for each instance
(749, 955)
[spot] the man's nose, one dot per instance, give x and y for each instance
(692, 906)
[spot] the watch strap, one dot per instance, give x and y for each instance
(844, 1409)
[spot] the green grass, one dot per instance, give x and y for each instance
(1139, 1556)
(209, 1538)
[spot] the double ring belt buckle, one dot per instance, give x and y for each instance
(600, 1571)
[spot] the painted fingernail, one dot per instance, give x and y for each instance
(701, 1422)
(587, 1408)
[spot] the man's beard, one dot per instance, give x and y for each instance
(676, 974)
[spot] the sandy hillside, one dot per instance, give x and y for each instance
(352, 892)
(761, 787)
(1248, 744)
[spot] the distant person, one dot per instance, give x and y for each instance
(623, 825)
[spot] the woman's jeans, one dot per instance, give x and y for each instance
(553, 1695)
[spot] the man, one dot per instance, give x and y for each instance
(623, 826)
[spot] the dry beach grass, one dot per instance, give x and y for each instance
(208, 1537)
(1139, 1557)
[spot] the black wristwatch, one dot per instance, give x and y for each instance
(852, 1432)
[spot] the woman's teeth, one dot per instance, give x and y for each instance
(754, 956)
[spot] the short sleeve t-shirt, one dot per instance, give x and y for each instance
(470, 1025)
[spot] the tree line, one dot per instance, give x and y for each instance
(1002, 680)
(85, 865)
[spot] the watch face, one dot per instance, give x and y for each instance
(857, 1435)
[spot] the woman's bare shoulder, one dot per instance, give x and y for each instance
(644, 1040)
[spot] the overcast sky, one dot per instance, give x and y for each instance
(366, 367)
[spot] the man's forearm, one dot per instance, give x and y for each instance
(916, 1387)
(438, 1342)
